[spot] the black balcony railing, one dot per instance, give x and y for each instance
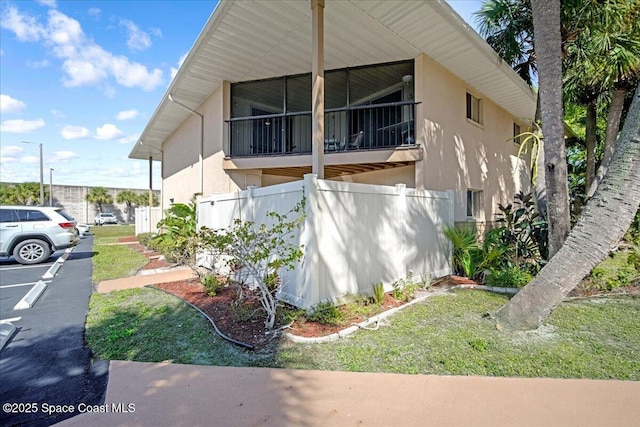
(369, 127)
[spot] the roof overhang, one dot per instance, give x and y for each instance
(255, 40)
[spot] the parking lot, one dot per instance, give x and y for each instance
(46, 361)
(17, 280)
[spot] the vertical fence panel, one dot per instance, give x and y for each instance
(354, 235)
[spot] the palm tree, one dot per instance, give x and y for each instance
(600, 227)
(507, 25)
(605, 57)
(99, 196)
(130, 199)
(546, 21)
(25, 193)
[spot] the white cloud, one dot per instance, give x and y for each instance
(75, 132)
(129, 139)
(48, 3)
(10, 151)
(174, 71)
(84, 63)
(21, 126)
(108, 132)
(61, 156)
(38, 64)
(127, 115)
(30, 159)
(58, 114)
(26, 28)
(94, 12)
(138, 39)
(11, 105)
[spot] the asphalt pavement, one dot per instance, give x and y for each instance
(45, 366)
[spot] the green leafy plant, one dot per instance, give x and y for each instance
(211, 284)
(145, 238)
(509, 277)
(256, 253)
(378, 293)
(531, 141)
(178, 230)
(405, 289)
(325, 313)
(467, 254)
(524, 232)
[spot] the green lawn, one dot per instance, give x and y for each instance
(112, 261)
(450, 335)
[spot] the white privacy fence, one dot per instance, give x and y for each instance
(147, 219)
(353, 235)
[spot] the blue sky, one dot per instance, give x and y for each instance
(84, 77)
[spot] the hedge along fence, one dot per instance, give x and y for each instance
(353, 235)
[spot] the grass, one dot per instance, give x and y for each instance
(112, 261)
(447, 335)
(149, 325)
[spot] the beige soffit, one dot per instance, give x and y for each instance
(248, 40)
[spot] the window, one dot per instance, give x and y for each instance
(474, 106)
(28, 215)
(516, 132)
(8, 215)
(474, 203)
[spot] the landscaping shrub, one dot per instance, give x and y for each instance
(178, 232)
(405, 289)
(378, 293)
(211, 284)
(325, 313)
(145, 238)
(509, 277)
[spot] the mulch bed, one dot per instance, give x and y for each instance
(154, 261)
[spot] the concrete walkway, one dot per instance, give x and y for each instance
(140, 281)
(164, 394)
(186, 395)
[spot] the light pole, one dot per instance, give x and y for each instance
(51, 186)
(41, 172)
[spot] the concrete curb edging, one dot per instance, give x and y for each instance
(53, 270)
(362, 325)
(7, 330)
(375, 319)
(31, 297)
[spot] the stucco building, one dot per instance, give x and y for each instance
(380, 92)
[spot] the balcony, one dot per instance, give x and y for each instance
(361, 128)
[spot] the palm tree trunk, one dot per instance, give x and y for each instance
(546, 23)
(613, 124)
(602, 224)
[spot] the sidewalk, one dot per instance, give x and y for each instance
(140, 281)
(188, 395)
(164, 394)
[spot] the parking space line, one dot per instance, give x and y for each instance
(21, 267)
(13, 319)
(17, 285)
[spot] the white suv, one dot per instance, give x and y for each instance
(32, 233)
(105, 218)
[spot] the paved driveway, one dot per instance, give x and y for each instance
(46, 366)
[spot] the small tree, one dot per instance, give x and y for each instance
(178, 240)
(99, 196)
(260, 251)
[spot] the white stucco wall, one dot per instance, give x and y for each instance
(458, 153)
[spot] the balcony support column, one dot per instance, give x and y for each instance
(317, 79)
